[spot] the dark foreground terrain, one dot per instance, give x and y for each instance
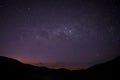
(11, 69)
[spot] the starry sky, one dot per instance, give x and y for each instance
(79, 32)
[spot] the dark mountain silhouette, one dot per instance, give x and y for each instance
(14, 70)
(108, 70)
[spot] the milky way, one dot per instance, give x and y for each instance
(73, 31)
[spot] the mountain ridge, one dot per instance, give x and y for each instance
(13, 68)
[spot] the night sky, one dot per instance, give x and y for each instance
(69, 32)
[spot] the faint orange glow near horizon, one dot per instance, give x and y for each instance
(25, 60)
(51, 65)
(65, 66)
(72, 67)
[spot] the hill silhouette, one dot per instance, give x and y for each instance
(108, 70)
(14, 70)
